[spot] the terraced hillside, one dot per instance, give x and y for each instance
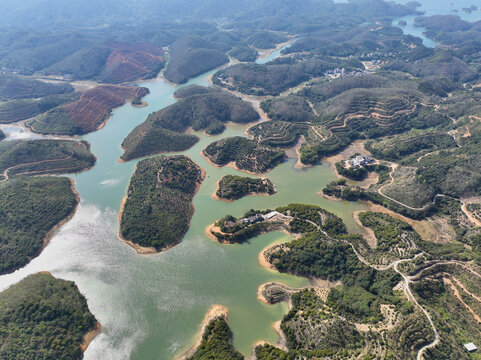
(158, 207)
(44, 315)
(87, 113)
(246, 154)
(369, 113)
(112, 62)
(199, 108)
(31, 208)
(40, 157)
(129, 62)
(284, 134)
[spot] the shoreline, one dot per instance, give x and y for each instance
(141, 105)
(369, 236)
(90, 336)
(50, 234)
(148, 250)
(261, 257)
(214, 312)
(141, 250)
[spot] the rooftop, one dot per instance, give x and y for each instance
(470, 347)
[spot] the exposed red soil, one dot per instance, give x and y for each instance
(129, 62)
(94, 105)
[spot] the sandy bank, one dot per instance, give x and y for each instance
(141, 105)
(90, 336)
(262, 257)
(369, 233)
(214, 312)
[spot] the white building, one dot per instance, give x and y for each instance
(271, 214)
(470, 347)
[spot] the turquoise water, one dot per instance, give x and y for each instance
(438, 7)
(150, 307)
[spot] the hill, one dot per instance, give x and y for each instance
(217, 342)
(31, 209)
(17, 87)
(158, 207)
(274, 77)
(43, 318)
(200, 108)
(18, 110)
(265, 40)
(246, 154)
(232, 187)
(40, 157)
(87, 113)
(192, 56)
(112, 62)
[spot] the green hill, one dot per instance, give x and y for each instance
(247, 154)
(16, 87)
(39, 157)
(42, 317)
(217, 343)
(192, 56)
(30, 208)
(205, 109)
(158, 207)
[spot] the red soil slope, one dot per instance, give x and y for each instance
(94, 105)
(129, 62)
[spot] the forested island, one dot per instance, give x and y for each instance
(158, 207)
(232, 187)
(201, 108)
(44, 318)
(246, 154)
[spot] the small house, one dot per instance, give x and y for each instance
(470, 347)
(360, 161)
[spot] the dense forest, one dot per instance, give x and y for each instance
(233, 187)
(30, 208)
(216, 343)
(43, 318)
(200, 108)
(158, 206)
